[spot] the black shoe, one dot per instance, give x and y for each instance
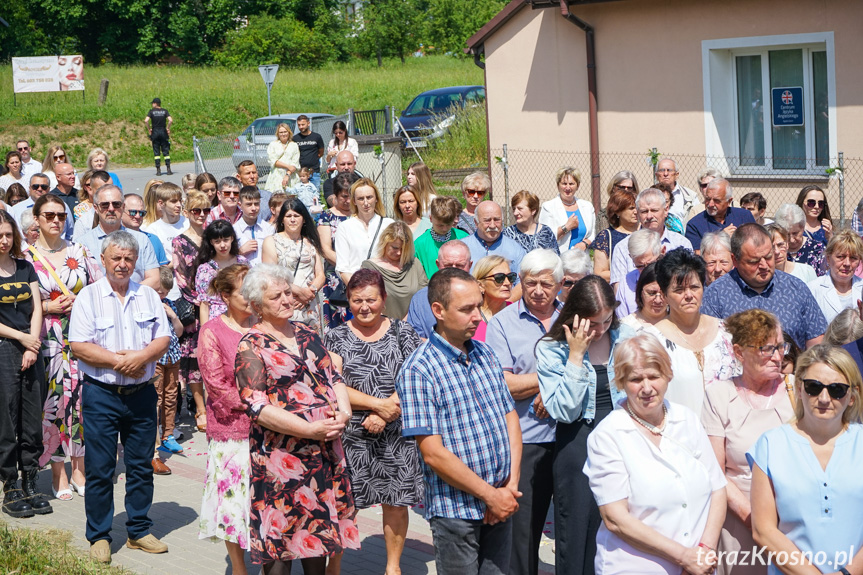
(14, 503)
(158, 171)
(37, 501)
(170, 173)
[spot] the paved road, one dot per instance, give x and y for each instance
(134, 179)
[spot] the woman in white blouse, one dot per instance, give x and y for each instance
(283, 154)
(339, 142)
(652, 471)
(571, 219)
(839, 288)
(358, 236)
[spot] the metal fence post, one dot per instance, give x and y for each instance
(387, 124)
(195, 154)
(254, 148)
(383, 172)
(352, 124)
(841, 171)
(506, 186)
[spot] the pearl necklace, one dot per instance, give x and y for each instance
(649, 426)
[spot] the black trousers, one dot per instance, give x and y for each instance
(161, 145)
(536, 485)
(22, 394)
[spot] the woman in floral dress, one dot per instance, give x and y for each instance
(74, 266)
(185, 248)
(335, 315)
(302, 506)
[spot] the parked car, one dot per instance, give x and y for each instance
(430, 114)
(265, 132)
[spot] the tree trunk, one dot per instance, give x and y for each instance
(380, 59)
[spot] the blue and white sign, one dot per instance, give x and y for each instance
(788, 106)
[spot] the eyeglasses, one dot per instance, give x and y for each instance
(567, 283)
(24, 148)
(475, 192)
(198, 211)
(230, 193)
(49, 216)
(105, 205)
(813, 387)
(45, 187)
(501, 277)
(702, 186)
(60, 157)
(652, 294)
(767, 351)
(137, 213)
(624, 188)
(815, 203)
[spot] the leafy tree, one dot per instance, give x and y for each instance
(450, 23)
(389, 28)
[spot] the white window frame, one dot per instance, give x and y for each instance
(722, 144)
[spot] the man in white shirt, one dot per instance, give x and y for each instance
(29, 166)
(250, 232)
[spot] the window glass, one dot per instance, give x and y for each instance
(789, 142)
(822, 118)
(750, 110)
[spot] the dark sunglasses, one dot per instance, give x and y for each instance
(105, 205)
(137, 213)
(499, 278)
(40, 186)
(24, 149)
(229, 193)
(624, 188)
(814, 388)
(475, 192)
(814, 203)
(567, 283)
(60, 157)
(49, 216)
(199, 211)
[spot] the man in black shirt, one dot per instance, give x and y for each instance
(311, 149)
(160, 133)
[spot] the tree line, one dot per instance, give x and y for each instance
(239, 33)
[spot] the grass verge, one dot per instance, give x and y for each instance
(31, 552)
(207, 101)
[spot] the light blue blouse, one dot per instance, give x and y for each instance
(819, 511)
(569, 390)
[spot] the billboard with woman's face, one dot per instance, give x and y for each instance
(48, 73)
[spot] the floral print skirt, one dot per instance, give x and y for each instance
(225, 507)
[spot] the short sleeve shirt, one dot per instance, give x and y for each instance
(16, 297)
(159, 118)
(309, 146)
(703, 223)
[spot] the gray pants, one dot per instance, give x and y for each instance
(465, 547)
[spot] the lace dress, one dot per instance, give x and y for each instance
(300, 257)
(811, 253)
(542, 238)
(607, 240)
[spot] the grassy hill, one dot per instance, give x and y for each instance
(206, 101)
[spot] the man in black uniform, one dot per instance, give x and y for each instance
(160, 133)
(311, 146)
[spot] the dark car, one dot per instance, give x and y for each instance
(430, 114)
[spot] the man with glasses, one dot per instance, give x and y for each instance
(718, 213)
(65, 189)
(133, 217)
(108, 202)
(645, 248)
(474, 187)
(683, 199)
(39, 186)
(229, 202)
(755, 283)
(85, 222)
(512, 334)
(29, 166)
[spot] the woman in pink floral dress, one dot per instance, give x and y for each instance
(302, 505)
(74, 266)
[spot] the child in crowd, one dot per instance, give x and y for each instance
(188, 184)
(250, 232)
(167, 375)
(308, 194)
(275, 204)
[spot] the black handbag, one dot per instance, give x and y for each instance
(186, 311)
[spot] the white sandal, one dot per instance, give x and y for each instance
(79, 489)
(63, 494)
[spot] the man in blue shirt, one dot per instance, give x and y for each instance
(717, 215)
(489, 240)
(453, 254)
(456, 403)
(755, 283)
(512, 334)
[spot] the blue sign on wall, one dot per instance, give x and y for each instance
(788, 106)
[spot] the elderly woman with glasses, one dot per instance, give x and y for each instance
(806, 498)
(572, 219)
(780, 238)
(801, 248)
(474, 187)
(840, 288)
(716, 253)
(738, 411)
(495, 280)
(622, 221)
(576, 265)
(302, 506)
(650, 303)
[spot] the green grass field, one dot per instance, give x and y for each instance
(207, 101)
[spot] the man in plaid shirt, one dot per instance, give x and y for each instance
(456, 403)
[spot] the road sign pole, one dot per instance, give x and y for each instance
(269, 104)
(268, 73)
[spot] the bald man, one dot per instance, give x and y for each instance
(346, 163)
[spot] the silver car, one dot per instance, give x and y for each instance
(265, 132)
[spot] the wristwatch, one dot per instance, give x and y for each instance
(844, 571)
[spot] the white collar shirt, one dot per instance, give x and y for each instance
(257, 232)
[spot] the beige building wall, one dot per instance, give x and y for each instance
(650, 86)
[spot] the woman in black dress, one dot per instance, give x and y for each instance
(383, 465)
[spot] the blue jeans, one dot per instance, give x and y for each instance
(316, 179)
(133, 417)
(467, 547)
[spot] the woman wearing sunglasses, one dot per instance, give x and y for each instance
(495, 280)
(738, 411)
(56, 155)
(185, 248)
(63, 269)
(813, 202)
(806, 496)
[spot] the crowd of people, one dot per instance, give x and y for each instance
(683, 384)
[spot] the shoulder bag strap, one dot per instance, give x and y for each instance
(610, 242)
(789, 389)
(374, 239)
(39, 257)
(299, 257)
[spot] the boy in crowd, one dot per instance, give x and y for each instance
(167, 376)
(250, 232)
(169, 199)
(275, 204)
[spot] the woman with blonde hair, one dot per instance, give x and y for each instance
(571, 218)
(151, 202)
(402, 273)
(55, 155)
(97, 160)
(839, 288)
(806, 499)
(358, 237)
(406, 203)
(420, 178)
(495, 280)
(283, 155)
